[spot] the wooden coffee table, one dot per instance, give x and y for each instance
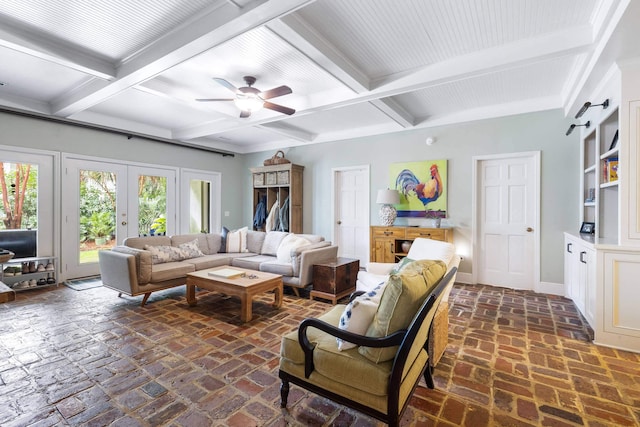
(254, 282)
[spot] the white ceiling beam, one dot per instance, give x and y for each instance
(288, 131)
(301, 36)
(24, 103)
(394, 111)
(475, 64)
(19, 40)
(579, 80)
(516, 54)
(208, 30)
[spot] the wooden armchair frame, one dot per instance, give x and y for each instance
(405, 339)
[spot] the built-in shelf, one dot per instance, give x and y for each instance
(610, 153)
(609, 184)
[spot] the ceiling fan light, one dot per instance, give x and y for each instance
(248, 102)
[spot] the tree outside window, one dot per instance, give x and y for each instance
(19, 187)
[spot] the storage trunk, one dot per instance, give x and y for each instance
(334, 280)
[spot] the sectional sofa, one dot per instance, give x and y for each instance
(142, 265)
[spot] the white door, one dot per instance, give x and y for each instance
(199, 201)
(507, 220)
(103, 203)
(351, 212)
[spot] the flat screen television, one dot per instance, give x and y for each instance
(23, 243)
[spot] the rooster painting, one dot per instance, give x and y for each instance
(427, 192)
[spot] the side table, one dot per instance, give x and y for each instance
(334, 280)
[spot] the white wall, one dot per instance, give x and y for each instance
(544, 131)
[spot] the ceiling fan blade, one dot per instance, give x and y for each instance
(279, 108)
(275, 92)
(214, 99)
(226, 84)
(244, 114)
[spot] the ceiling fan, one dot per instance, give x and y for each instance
(249, 99)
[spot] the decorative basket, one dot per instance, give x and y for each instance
(277, 159)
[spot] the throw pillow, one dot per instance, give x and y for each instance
(236, 240)
(358, 315)
(401, 265)
(272, 242)
(403, 295)
(190, 249)
(223, 239)
(289, 243)
(162, 254)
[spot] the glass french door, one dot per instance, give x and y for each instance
(103, 203)
(200, 201)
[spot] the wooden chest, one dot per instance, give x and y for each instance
(334, 280)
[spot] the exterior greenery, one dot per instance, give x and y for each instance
(19, 207)
(19, 187)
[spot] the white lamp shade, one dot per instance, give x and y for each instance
(388, 197)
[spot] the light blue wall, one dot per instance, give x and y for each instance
(44, 135)
(544, 132)
(458, 144)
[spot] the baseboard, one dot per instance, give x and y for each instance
(465, 278)
(551, 288)
(543, 287)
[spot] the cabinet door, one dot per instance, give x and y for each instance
(571, 268)
(590, 285)
(581, 287)
(383, 250)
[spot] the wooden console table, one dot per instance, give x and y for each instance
(386, 242)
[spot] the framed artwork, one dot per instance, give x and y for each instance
(422, 186)
(588, 228)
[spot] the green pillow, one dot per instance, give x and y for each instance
(401, 265)
(402, 297)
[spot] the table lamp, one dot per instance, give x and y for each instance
(387, 198)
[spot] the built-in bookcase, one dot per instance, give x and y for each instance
(600, 155)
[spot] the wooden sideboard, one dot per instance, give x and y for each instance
(387, 242)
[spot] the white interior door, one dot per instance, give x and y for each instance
(507, 220)
(351, 212)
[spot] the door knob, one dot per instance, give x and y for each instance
(124, 222)
(339, 222)
(529, 229)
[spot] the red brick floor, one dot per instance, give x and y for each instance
(89, 358)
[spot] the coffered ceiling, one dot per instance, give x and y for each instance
(356, 68)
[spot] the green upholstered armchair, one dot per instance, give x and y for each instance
(378, 375)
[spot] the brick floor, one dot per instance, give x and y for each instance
(90, 358)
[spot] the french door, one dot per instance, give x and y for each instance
(199, 201)
(103, 203)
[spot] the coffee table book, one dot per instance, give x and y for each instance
(227, 273)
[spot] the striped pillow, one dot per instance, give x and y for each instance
(236, 240)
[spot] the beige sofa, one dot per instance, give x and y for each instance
(134, 269)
